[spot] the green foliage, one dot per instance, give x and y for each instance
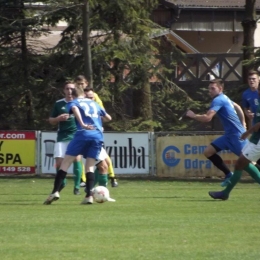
(126, 54)
(254, 63)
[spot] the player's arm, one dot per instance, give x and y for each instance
(248, 113)
(240, 114)
(201, 118)
(252, 129)
(78, 117)
(246, 108)
(56, 120)
(106, 118)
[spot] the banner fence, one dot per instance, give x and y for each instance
(165, 154)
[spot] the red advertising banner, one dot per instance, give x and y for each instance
(17, 151)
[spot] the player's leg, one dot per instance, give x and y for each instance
(249, 153)
(59, 153)
(89, 166)
(77, 170)
(59, 178)
(223, 195)
(101, 176)
(74, 148)
(111, 172)
(83, 176)
(102, 173)
(211, 153)
(91, 152)
(257, 165)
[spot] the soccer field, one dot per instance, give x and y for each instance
(150, 220)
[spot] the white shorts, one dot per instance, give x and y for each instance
(60, 149)
(251, 151)
(102, 156)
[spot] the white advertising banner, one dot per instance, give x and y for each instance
(129, 152)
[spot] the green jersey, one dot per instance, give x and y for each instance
(255, 137)
(66, 129)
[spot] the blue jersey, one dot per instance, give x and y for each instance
(91, 114)
(225, 110)
(250, 101)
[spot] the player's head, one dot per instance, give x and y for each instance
(78, 91)
(81, 81)
(89, 93)
(216, 87)
(253, 79)
(68, 88)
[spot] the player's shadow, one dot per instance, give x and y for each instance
(174, 197)
(15, 203)
(153, 197)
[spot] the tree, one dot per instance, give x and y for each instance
(17, 64)
(249, 25)
(86, 43)
(125, 56)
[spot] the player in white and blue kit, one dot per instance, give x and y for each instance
(232, 118)
(87, 141)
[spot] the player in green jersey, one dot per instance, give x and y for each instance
(66, 129)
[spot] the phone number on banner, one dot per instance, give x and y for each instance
(17, 169)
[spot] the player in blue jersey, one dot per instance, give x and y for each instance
(250, 101)
(250, 153)
(88, 141)
(232, 118)
(250, 97)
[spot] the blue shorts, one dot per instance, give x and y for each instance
(87, 148)
(232, 143)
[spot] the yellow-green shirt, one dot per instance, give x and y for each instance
(98, 100)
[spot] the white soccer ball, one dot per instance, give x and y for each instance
(100, 194)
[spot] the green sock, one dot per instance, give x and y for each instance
(232, 182)
(253, 172)
(64, 183)
(102, 180)
(251, 169)
(77, 170)
(96, 172)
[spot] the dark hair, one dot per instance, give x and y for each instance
(74, 92)
(68, 82)
(87, 89)
(252, 72)
(80, 78)
(219, 82)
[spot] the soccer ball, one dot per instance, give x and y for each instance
(100, 194)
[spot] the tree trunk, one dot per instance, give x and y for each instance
(86, 44)
(25, 81)
(249, 26)
(146, 104)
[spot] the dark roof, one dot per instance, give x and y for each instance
(211, 3)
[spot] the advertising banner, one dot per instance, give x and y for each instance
(129, 152)
(182, 156)
(17, 152)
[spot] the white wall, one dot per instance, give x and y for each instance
(257, 35)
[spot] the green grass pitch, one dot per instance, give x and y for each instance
(150, 220)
